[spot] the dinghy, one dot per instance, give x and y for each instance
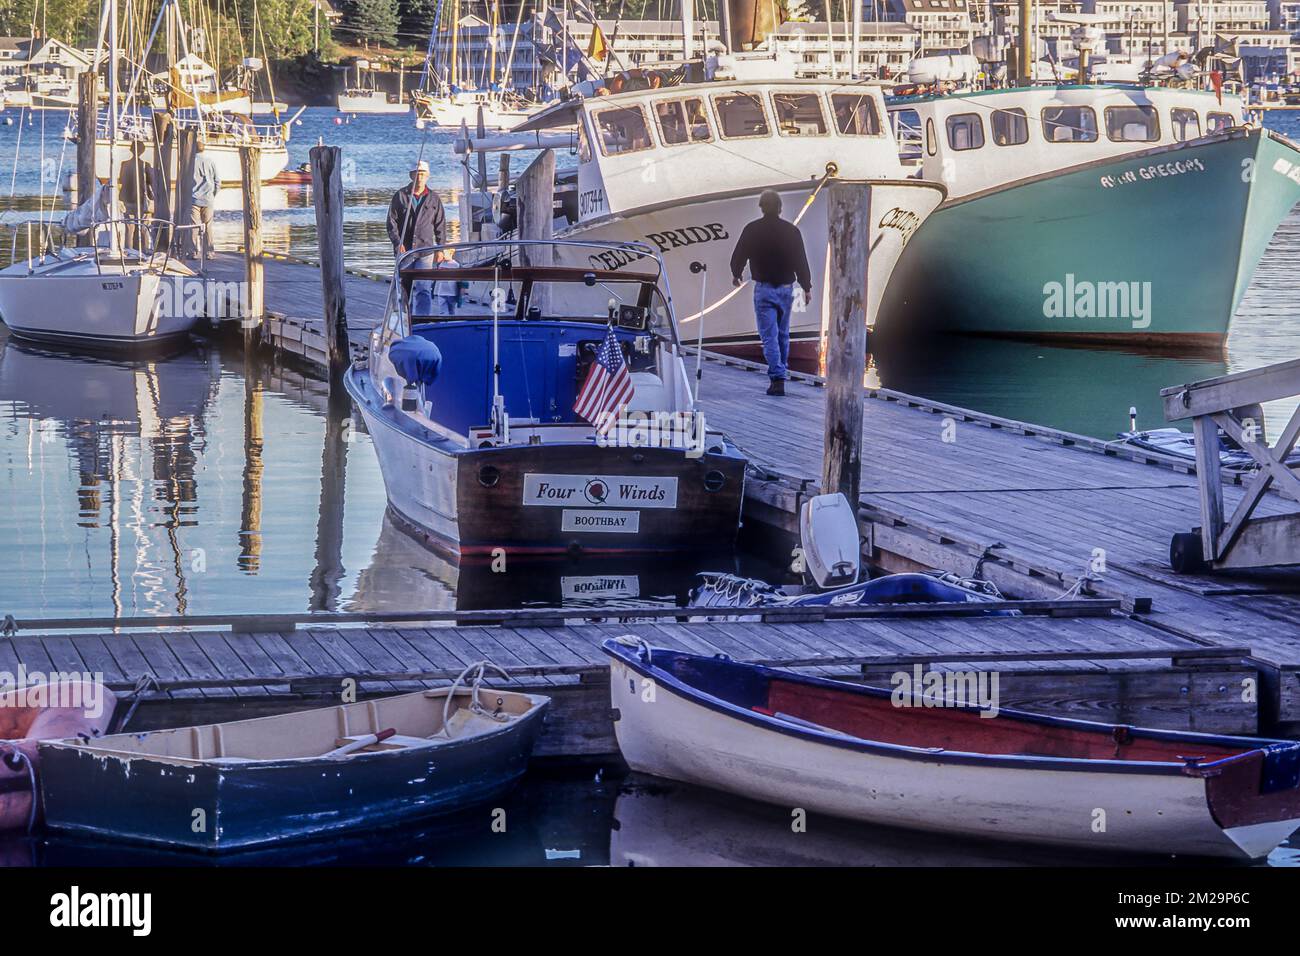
(719, 589)
(849, 751)
(255, 782)
(32, 713)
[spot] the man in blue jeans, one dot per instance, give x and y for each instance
(777, 259)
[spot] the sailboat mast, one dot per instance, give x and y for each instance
(112, 112)
(455, 33)
(492, 44)
(688, 25)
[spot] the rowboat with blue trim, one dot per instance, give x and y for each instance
(269, 780)
(877, 756)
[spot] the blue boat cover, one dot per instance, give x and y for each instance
(416, 359)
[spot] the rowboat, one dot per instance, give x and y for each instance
(32, 713)
(268, 780)
(867, 754)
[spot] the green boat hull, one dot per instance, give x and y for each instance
(1156, 247)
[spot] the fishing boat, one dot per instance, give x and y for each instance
(476, 417)
(854, 752)
(680, 169)
(272, 779)
(35, 712)
(1092, 213)
(364, 97)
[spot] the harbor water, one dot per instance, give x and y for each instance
(202, 483)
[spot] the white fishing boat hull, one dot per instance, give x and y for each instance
(669, 735)
(452, 113)
(271, 162)
(703, 230)
(347, 103)
(88, 308)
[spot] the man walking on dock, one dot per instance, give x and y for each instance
(416, 221)
(135, 191)
(774, 250)
(207, 183)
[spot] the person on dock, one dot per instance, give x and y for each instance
(775, 252)
(416, 221)
(135, 191)
(203, 199)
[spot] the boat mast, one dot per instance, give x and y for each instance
(855, 44)
(492, 44)
(688, 24)
(112, 118)
(1024, 60)
(455, 31)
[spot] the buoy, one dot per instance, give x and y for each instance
(338, 121)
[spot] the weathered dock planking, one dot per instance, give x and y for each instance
(1095, 665)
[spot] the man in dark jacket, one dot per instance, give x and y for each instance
(416, 221)
(135, 192)
(777, 259)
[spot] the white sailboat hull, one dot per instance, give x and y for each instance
(83, 307)
(675, 737)
(370, 104)
(705, 230)
(272, 160)
(451, 113)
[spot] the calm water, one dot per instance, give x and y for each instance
(588, 817)
(197, 484)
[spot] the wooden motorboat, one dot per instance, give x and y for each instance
(272, 779)
(477, 417)
(30, 714)
(848, 751)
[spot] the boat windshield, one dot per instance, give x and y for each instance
(602, 283)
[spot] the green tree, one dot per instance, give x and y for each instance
(374, 20)
(416, 18)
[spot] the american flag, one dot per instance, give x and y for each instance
(608, 385)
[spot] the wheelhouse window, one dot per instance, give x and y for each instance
(683, 121)
(1186, 123)
(855, 114)
(1069, 124)
(741, 115)
(965, 131)
(931, 141)
(799, 114)
(584, 142)
(1010, 127)
(1218, 122)
(1132, 124)
(622, 129)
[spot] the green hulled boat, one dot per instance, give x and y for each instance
(1132, 215)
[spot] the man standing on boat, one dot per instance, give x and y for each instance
(774, 250)
(416, 221)
(203, 199)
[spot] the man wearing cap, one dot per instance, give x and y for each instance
(774, 250)
(416, 221)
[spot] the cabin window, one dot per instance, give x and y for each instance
(1132, 124)
(1218, 122)
(622, 130)
(931, 141)
(1187, 124)
(1010, 127)
(683, 121)
(740, 115)
(855, 114)
(965, 131)
(1069, 124)
(799, 114)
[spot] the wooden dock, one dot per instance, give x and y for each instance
(1046, 515)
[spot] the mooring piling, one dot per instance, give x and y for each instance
(254, 310)
(327, 191)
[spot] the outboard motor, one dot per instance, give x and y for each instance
(828, 534)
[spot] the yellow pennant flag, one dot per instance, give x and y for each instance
(597, 48)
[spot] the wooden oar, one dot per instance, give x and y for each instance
(361, 743)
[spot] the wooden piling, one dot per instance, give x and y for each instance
(536, 217)
(87, 110)
(188, 150)
(849, 218)
(164, 152)
(254, 298)
(327, 191)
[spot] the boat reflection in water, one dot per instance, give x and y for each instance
(132, 430)
(661, 823)
(403, 573)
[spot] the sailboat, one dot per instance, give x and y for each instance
(443, 101)
(103, 294)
